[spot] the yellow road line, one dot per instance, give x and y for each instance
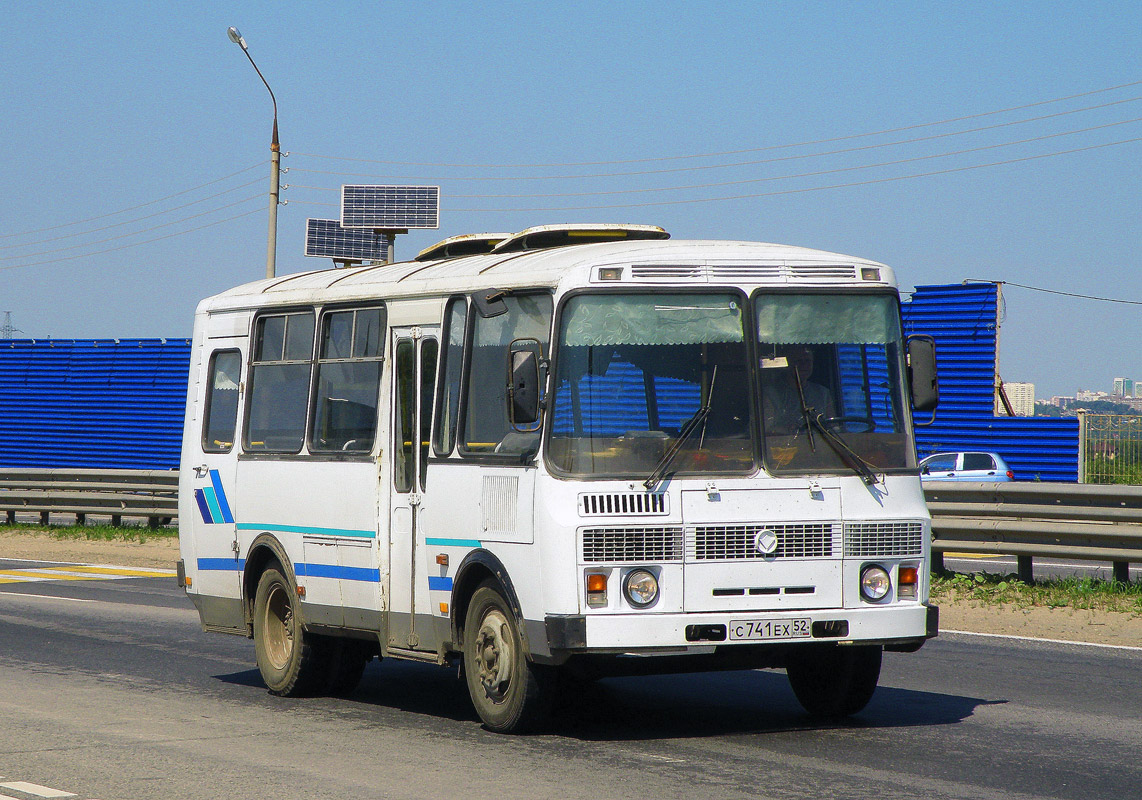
(971, 555)
(19, 573)
(131, 573)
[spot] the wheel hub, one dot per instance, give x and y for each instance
(494, 654)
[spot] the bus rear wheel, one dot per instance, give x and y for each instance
(507, 691)
(832, 681)
(292, 662)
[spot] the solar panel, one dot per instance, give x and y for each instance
(326, 238)
(390, 207)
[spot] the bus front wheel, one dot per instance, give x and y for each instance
(832, 681)
(506, 689)
(291, 661)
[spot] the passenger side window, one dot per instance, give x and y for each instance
(279, 383)
(487, 428)
(221, 414)
(945, 463)
(349, 366)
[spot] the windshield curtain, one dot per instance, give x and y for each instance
(838, 358)
(632, 369)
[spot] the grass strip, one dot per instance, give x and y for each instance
(1071, 592)
(107, 533)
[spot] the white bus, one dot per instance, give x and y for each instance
(567, 453)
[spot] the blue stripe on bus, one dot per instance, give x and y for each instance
(335, 571)
(220, 493)
(212, 501)
(454, 542)
(224, 564)
(440, 584)
(262, 526)
(200, 498)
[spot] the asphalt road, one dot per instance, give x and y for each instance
(108, 689)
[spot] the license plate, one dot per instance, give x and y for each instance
(759, 629)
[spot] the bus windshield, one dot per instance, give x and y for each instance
(831, 368)
(634, 369)
(637, 375)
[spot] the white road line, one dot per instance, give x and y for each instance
(1037, 639)
(43, 597)
(36, 789)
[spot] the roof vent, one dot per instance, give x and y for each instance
(466, 244)
(544, 236)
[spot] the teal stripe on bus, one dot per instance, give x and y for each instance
(454, 542)
(263, 526)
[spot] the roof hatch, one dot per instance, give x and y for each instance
(466, 244)
(544, 236)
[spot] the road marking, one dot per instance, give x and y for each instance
(971, 555)
(79, 572)
(1037, 639)
(44, 597)
(36, 789)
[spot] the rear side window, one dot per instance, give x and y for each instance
(978, 461)
(279, 383)
(349, 359)
(221, 415)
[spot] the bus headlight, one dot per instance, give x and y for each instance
(640, 588)
(874, 583)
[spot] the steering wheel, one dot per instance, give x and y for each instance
(863, 424)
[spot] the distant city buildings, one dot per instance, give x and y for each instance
(1123, 387)
(1022, 399)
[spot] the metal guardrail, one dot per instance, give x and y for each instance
(147, 493)
(1050, 520)
(1047, 520)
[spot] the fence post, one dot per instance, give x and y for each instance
(1026, 570)
(1082, 446)
(1121, 571)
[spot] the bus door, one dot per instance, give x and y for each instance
(415, 352)
(214, 464)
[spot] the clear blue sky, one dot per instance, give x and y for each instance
(118, 105)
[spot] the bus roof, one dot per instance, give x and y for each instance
(645, 263)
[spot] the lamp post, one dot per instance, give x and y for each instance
(275, 161)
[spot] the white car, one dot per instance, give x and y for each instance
(965, 466)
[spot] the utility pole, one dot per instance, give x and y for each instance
(7, 330)
(275, 162)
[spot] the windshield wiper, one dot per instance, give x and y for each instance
(840, 446)
(691, 425)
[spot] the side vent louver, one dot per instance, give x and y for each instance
(624, 504)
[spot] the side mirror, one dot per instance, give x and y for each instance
(922, 378)
(523, 382)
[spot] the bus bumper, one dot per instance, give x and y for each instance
(896, 627)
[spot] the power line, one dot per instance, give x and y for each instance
(135, 244)
(732, 164)
(135, 207)
(129, 221)
(741, 151)
(814, 174)
(1056, 291)
(134, 233)
(809, 188)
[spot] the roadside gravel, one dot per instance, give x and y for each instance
(1099, 627)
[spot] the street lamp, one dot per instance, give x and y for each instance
(275, 160)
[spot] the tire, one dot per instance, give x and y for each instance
(347, 659)
(292, 662)
(508, 692)
(831, 681)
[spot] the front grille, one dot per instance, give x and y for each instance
(737, 542)
(631, 544)
(627, 504)
(865, 539)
